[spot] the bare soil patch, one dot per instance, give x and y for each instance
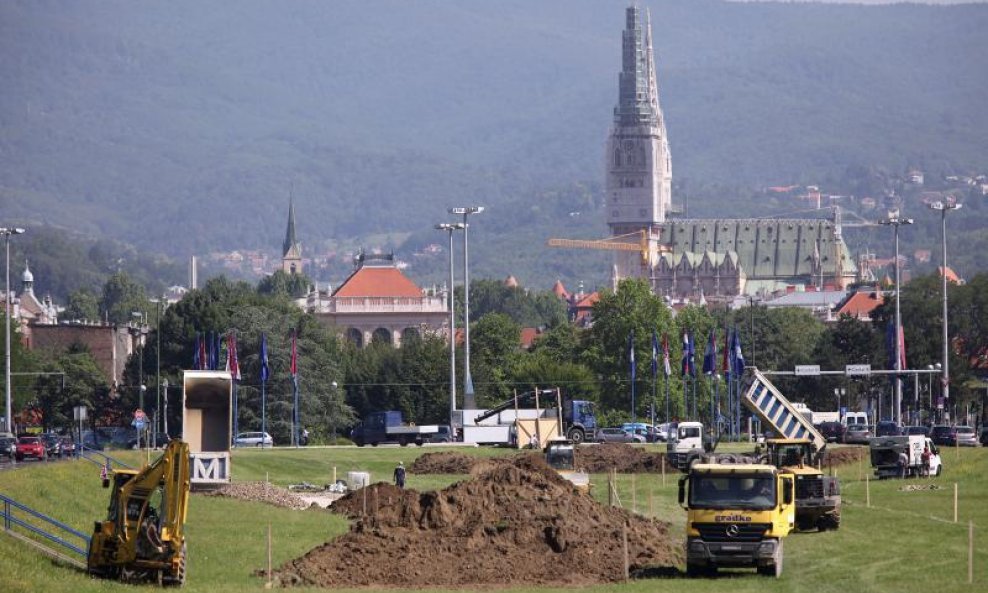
(600, 458)
(515, 524)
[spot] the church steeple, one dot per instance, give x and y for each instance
(291, 259)
(639, 168)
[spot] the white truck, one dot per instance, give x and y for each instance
(687, 445)
(885, 456)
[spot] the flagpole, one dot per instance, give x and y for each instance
(297, 419)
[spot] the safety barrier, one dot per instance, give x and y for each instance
(90, 455)
(70, 544)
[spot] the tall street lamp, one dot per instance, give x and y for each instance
(943, 207)
(468, 398)
(450, 227)
(7, 232)
(140, 332)
(895, 221)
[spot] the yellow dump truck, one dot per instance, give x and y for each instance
(737, 516)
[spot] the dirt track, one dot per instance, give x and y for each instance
(514, 523)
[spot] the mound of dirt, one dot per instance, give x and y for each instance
(592, 458)
(621, 457)
(516, 524)
(261, 492)
(842, 455)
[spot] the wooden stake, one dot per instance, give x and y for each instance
(625, 534)
(364, 488)
(634, 495)
(663, 470)
(334, 474)
(651, 502)
(970, 552)
(610, 489)
(867, 491)
(269, 556)
(955, 502)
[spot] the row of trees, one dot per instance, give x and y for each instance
(339, 382)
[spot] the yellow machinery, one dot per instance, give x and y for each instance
(737, 516)
(560, 455)
(143, 536)
(618, 243)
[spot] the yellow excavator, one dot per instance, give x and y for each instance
(143, 536)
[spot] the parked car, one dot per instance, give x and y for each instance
(984, 436)
(887, 428)
(7, 447)
(832, 431)
(68, 446)
(966, 437)
(943, 435)
(647, 431)
(53, 444)
(445, 435)
(253, 439)
(858, 434)
(618, 435)
(920, 430)
(30, 446)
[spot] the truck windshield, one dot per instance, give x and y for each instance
(753, 492)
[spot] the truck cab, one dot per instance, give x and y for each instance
(687, 445)
(737, 516)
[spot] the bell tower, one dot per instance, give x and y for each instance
(291, 259)
(639, 168)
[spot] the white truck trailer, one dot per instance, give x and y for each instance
(885, 458)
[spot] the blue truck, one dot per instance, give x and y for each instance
(390, 427)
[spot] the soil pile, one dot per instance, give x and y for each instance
(600, 458)
(842, 455)
(516, 524)
(261, 492)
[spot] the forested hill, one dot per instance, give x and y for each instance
(182, 126)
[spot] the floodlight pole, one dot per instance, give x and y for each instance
(7, 232)
(469, 402)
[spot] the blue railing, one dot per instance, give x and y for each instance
(88, 453)
(15, 515)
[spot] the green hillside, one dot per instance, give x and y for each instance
(183, 127)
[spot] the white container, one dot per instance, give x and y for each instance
(357, 480)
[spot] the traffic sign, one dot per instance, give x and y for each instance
(806, 370)
(857, 369)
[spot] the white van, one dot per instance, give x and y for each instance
(855, 418)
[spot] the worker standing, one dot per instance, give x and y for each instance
(400, 475)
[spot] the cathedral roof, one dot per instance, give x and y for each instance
(765, 249)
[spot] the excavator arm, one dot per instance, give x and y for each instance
(143, 536)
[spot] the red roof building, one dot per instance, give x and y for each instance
(861, 304)
(379, 303)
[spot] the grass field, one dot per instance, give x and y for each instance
(903, 541)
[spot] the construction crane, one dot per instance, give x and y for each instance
(615, 243)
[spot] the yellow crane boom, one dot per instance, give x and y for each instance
(616, 243)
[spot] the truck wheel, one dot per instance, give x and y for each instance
(403, 441)
(576, 435)
(693, 569)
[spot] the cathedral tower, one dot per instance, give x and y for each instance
(291, 259)
(639, 169)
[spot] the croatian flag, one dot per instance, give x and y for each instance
(265, 372)
(667, 366)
